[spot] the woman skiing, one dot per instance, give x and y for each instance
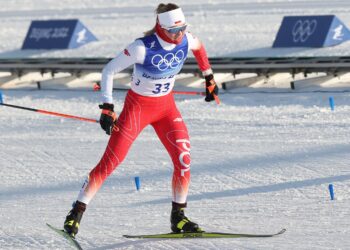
(157, 58)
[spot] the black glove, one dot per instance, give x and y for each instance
(211, 90)
(108, 117)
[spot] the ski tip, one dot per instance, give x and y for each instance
(282, 231)
(54, 228)
(47, 224)
(132, 236)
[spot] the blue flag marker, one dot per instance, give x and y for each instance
(137, 183)
(1, 100)
(331, 191)
(331, 103)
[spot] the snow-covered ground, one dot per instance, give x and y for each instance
(262, 160)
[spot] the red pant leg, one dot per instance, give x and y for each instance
(130, 123)
(173, 133)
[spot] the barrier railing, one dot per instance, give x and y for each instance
(259, 65)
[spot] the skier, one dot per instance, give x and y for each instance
(157, 58)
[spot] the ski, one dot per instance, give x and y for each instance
(202, 235)
(74, 243)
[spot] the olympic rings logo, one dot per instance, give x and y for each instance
(170, 60)
(302, 30)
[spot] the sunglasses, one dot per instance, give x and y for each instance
(176, 29)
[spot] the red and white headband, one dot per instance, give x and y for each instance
(171, 18)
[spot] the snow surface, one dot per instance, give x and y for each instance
(262, 160)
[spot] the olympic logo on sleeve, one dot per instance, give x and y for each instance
(302, 30)
(170, 60)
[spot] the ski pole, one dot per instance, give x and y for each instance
(50, 113)
(188, 93)
(97, 87)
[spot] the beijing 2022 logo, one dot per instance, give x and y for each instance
(170, 60)
(302, 30)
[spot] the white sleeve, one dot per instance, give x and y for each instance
(133, 53)
(193, 42)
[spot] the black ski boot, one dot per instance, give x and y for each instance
(72, 222)
(179, 222)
